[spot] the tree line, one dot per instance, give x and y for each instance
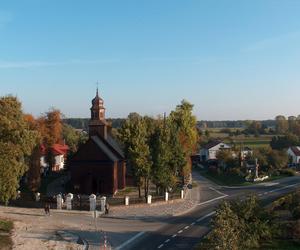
(159, 150)
(21, 137)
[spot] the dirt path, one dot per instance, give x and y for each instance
(35, 231)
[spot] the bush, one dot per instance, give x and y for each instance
(288, 172)
(296, 213)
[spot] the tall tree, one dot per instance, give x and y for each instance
(16, 143)
(282, 125)
(186, 125)
(133, 134)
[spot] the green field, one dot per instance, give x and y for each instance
(241, 140)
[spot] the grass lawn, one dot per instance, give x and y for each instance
(5, 230)
(233, 180)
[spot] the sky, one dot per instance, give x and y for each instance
(231, 59)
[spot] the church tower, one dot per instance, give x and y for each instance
(98, 124)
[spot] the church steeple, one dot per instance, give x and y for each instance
(97, 109)
(97, 124)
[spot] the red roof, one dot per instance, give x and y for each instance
(57, 149)
(296, 151)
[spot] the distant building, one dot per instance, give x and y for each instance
(294, 154)
(59, 152)
(209, 151)
(99, 165)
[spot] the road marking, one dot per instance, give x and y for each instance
(160, 246)
(286, 187)
(174, 235)
(218, 198)
(193, 224)
(187, 227)
(206, 216)
(130, 240)
(179, 232)
(168, 240)
(213, 189)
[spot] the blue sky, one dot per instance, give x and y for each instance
(231, 59)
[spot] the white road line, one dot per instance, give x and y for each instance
(218, 198)
(206, 216)
(217, 191)
(286, 187)
(173, 236)
(168, 240)
(130, 240)
(160, 246)
(187, 227)
(193, 224)
(180, 231)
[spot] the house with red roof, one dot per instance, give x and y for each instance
(59, 152)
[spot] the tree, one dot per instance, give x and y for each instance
(278, 159)
(72, 137)
(186, 125)
(133, 135)
(16, 144)
(282, 125)
(284, 142)
(239, 225)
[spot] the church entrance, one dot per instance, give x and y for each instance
(97, 186)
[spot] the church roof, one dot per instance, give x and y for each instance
(115, 145)
(105, 149)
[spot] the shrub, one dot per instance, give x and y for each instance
(288, 172)
(296, 213)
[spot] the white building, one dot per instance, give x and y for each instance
(294, 154)
(210, 150)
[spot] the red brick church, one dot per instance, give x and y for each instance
(99, 165)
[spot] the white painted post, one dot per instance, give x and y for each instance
(126, 200)
(69, 201)
(37, 196)
(59, 201)
(18, 194)
(102, 203)
(182, 194)
(92, 202)
(166, 196)
(149, 199)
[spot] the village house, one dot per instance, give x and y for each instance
(59, 153)
(210, 150)
(99, 165)
(294, 155)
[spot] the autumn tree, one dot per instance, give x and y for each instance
(282, 125)
(16, 143)
(34, 162)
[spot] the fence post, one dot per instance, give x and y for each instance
(126, 200)
(149, 199)
(166, 196)
(102, 203)
(69, 201)
(92, 199)
(59, 201)
(182, 194)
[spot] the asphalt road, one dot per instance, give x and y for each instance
(184, 232)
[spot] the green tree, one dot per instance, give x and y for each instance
(282, 125)
(16, 144)
(186, 124)
(72, 137)
(133, 134)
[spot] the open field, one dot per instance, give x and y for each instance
(240, 140)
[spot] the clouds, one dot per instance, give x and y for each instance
(38, 64)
